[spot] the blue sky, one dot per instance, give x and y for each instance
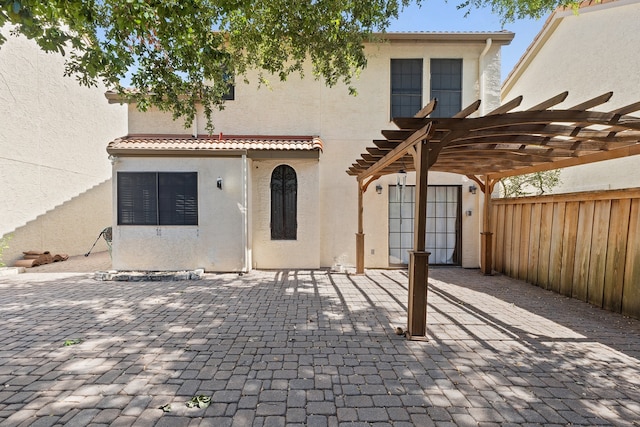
(439, 15)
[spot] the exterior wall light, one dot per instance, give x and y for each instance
(473, 189)
(469, 212)
(379, 189)
(219, 183)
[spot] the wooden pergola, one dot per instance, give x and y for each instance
(499, 144)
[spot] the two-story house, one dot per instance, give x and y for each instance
(270, 190)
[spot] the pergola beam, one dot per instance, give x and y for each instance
(399, 152)
(500, 144)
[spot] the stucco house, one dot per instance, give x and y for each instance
(587, 54)
(54, 177)
(270, 190)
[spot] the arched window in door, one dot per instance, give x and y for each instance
(284, 203)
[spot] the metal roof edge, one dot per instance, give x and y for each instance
(501, 37)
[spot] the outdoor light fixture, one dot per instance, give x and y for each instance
(219, 183)
(469, 212)
(473, 189)
(379, 189)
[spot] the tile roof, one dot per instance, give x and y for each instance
(187, 144)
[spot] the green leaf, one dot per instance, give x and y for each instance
(176, 62)
(200, 401)
(73, 341)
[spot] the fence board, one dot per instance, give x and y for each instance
(583, 250)
(616, 253)
(534, 242)
(508, 239)
(499, 239)
(584, 245)
(516, 237)
(598, 258)
(555, 254)
(631, 289)
(569, 237)
(523, 264)
(545, 245)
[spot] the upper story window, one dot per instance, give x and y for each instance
(406, 87)
(230, 94)
(446, 86)
(157, 198)
(284, 203)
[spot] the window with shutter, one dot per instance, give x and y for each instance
(157, 198)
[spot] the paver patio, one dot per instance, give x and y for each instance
(294, 348)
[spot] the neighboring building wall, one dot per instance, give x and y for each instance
(217, 243)
(587, 54)
(347, 125)
(53, 164)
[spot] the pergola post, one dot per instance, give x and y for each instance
(419, 258)
(486, 236)
(360, 233)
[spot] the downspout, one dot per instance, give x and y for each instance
(481, 74)
(246, 267)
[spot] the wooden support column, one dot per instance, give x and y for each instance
(486, 236)
(360, 233)
(419, 258)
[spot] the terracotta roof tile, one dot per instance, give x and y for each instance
(188, 143)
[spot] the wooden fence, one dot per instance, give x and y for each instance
(582, 245)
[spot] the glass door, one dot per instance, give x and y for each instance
(444, 214)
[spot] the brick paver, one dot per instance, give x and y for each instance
(294, 348)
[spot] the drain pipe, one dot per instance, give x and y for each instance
(481, 75)
(246, 262)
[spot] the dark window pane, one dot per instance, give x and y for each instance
(178, 198)
(150, 198)
(137, 200)
(446, 86)
(406, 87)
(230, 94)
(284, 194)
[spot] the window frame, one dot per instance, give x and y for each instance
(401, 90)
(157, 198)
(284, 206)
(445, 108)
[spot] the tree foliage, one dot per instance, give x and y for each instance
(533, 184)
(510, 10)
(174, 51)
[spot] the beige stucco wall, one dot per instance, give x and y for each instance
(347, 125)
(588, 54)
(217, 243)
(304, 252)
(53, 134)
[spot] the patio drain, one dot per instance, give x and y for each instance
(149, 276)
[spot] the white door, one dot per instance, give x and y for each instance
(444, 213)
